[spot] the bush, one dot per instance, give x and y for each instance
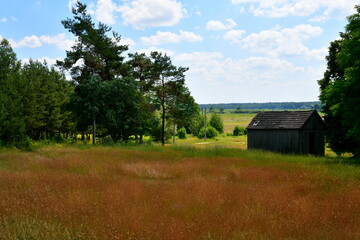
(24, 143)
(216, 122)
(181, 133)
(239, 131)
(210, 132)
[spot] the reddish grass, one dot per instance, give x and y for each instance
(106, 193)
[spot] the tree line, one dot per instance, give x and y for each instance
(110, 95)
(269, 105)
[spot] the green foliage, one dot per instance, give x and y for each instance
(211, 132)
(99, 53)
(120, 108)
(118, 98)
(157, 133)
(171, 94)
(239, 131)
(339, 90)
(34, 97)
(47, 94)
(181, 133)
(216, 122)
(195, 124)
(12, 126)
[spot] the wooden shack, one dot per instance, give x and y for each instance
(299, 132)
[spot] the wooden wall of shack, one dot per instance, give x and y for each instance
(307, 140)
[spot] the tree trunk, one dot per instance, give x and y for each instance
(205, 125)
(94, 131)
(174, 129)
(163, 126)
(163, 111)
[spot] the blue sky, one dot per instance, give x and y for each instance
(237, 50)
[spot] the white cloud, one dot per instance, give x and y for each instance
(59, 40)
(234, 36)
(28, 41)
(279, 41)
(251, 79)
(215, 66)
(152, 13)
(104, 11)
(33, 41)
(217, 25)
(283, 8)
(169, 37)
(127, 41)
(155, 49)
(4, 19)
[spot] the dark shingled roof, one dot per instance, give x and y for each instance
(281, 119)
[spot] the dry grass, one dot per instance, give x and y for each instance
(135, 193)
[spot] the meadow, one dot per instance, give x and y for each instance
(231, 120)
(150, 192)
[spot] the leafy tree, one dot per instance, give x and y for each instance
(168, 84)
(121, 109)
(340, 89)
(140, 69)
(195, 124)
(211, 132)
(85, 103)
(216, 122)
(182, 133)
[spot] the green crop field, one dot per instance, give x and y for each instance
(150, 192)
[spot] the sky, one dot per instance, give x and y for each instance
(237, 51)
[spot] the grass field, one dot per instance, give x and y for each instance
(231, 120)
(176, 193)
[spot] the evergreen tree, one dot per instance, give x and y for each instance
(168, 81)
(140, 69)
(12, 126)
(104, 94)
(94, 51)
(45, 94)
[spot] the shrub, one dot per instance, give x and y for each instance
(239, 131)
(216, 122)
(210, 132)
(24, 143)
(181, 133)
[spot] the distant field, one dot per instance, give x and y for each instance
(231, 120)
(176, 193)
